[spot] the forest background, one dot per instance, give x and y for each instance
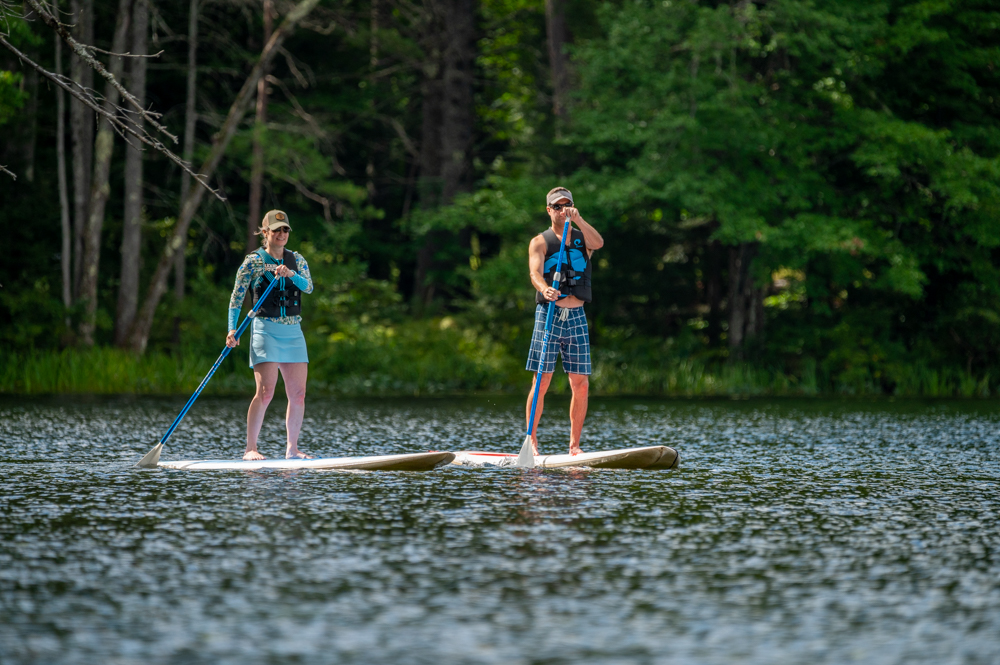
(797, 196)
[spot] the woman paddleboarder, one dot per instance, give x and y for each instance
(276, 341)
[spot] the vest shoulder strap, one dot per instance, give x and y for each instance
(289, 260)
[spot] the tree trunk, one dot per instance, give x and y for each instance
(714, 264)
(64, 218)
(30, 115)
(448, 122)
(429, 181)
(458, 113)
(257, 168)
(190, 119)
(100, 188)
(82, 130)
(128, 289)
(558, 37)
(746, 301)
(373, 45)
(144, 321)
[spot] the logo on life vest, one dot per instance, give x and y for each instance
(577, 242)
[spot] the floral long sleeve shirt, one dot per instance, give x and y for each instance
(251, 272)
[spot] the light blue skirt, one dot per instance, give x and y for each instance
(272, 342)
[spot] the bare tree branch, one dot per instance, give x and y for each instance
(299, 111)
(10, 173)
(120, 126)
(122, 55)
(322, 200)
(290, 61)
(403, 136)
(82, 50)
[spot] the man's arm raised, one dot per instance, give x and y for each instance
(591, 237)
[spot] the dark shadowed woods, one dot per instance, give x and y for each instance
(795, 197)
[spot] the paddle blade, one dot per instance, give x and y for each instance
(526, 458)
(152, 458)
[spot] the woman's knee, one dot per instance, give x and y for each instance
(264, 394)
(296, 395)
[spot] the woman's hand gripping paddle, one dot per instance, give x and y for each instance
(151, 458)
(526, 458)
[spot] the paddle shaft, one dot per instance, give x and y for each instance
(547, 333)
(222, 356)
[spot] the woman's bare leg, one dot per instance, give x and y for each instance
(266, 375)
(295, 375)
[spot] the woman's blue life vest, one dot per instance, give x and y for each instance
(285, 299)
(576, 267)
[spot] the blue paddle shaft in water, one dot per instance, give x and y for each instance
(556, 279)
(153, 456)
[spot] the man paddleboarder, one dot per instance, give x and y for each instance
(570, 337)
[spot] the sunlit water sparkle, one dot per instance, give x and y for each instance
(793, 532)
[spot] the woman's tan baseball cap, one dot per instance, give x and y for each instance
(275, 219)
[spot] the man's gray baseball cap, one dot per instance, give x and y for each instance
(558, 193)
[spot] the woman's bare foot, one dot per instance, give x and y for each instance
(253, 455)
(574, 449)
(297, 454)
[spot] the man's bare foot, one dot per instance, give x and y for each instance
(298, 454)
(574, 449)
(253, 455)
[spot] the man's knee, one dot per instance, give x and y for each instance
(579, 382)
(546, 380)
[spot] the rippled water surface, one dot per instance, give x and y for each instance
(793, 532)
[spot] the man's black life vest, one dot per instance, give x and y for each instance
(285, 299)
(576, 266)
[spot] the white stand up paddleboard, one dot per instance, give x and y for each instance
(649, 457)
(408, 462)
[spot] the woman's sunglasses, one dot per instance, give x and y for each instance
(281, 229)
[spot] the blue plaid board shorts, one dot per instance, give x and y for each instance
(570, 339)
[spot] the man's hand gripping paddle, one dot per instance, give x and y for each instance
(151, 458)
(526, 458)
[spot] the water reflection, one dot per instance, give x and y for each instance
(802, 532)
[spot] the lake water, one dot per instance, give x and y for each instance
(793, 532)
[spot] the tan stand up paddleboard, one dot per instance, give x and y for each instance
(649, 457)
(408, 462)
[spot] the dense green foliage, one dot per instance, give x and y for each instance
(853, 147)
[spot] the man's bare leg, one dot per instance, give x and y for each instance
(580, 385)
(266, 375)
(294, 375)
(546, 380)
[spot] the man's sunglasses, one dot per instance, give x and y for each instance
(559, 206)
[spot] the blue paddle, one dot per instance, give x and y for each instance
(151, 458)
(526, 458)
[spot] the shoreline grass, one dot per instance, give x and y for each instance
(109, 371)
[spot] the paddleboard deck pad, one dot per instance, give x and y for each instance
(649, 457)
(408, 462)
